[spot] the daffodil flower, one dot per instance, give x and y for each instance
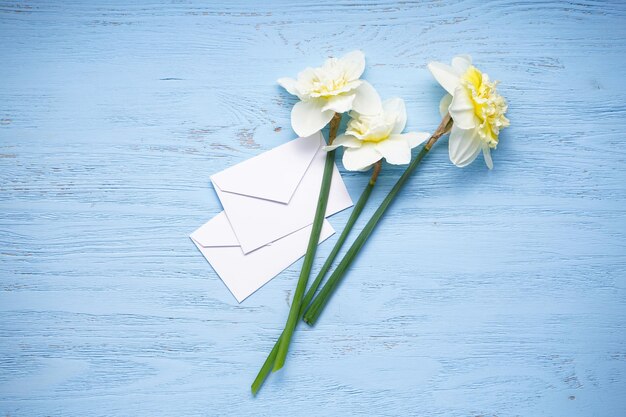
(475, 106)
(368, 139)
(335, 87)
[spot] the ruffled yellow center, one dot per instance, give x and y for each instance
(489, 106)
(330, 80)
(371, 128)
(327, 88)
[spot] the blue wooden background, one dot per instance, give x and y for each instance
(482, 293)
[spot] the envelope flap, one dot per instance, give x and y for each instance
(217, 232)
(273, 175)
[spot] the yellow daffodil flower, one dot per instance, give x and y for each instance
(475, 106)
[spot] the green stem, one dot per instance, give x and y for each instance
(318, 220)
(356, 212)
(317, 306)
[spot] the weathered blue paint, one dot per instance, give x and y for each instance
(482, 293)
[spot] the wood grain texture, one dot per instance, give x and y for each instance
(482, 293)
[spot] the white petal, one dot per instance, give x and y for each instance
(306, 75)
(289, 84)
(395, 149)
(464, 146)
(415, 138)
(339, 104)
(487, 156)
(461, 63)
(462, 109)
(348, 141)
(444, 104)
(367, 100)
(445, 75)
(307, 117)
(354, 64)
(396, 107)
(358, 159)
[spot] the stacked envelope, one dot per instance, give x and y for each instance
(269, 203)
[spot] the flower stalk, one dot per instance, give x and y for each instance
(356, 212)
(320, 211)
(319, 302)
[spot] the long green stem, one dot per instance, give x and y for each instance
(356, 212)
(317, 306)
(320, 212)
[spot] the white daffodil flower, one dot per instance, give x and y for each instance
(369, 138)
(475, 106)
(334, 87)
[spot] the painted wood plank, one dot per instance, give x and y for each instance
(482, 293)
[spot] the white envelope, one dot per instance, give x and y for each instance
(275, 193)
(243, 273)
